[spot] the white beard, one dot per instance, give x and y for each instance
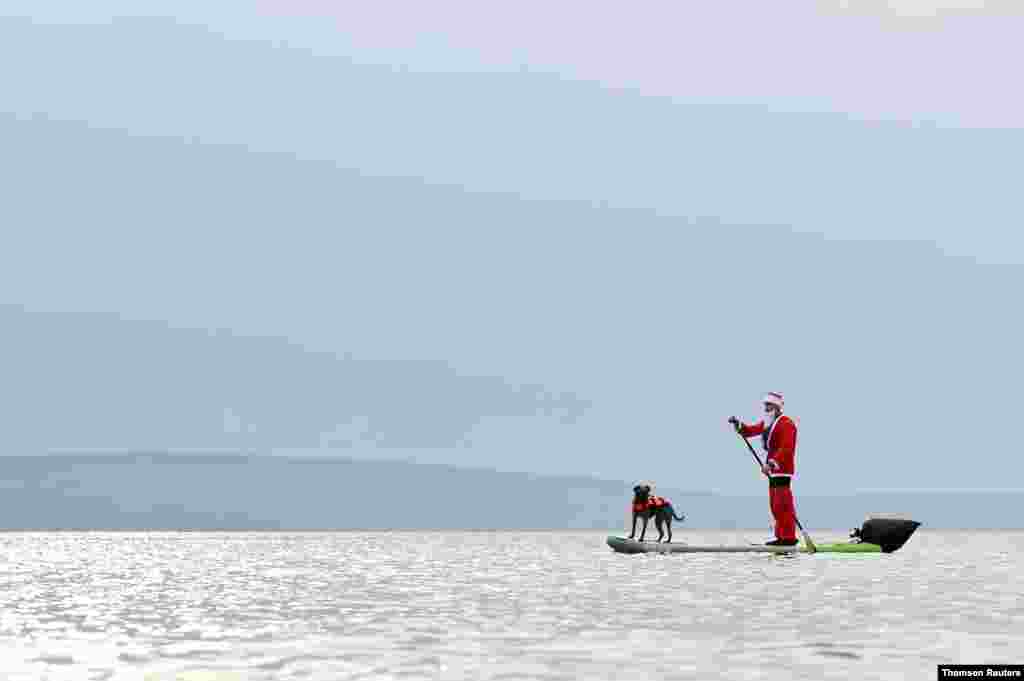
(770, 418)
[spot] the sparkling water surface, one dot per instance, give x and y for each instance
(497, 605)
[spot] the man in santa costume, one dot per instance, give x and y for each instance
(778, 437)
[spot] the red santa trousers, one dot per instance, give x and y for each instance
(784, 511)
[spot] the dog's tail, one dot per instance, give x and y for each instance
(672, 510)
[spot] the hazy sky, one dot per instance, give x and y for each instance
(587, 197)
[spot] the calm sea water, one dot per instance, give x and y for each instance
(497, 605)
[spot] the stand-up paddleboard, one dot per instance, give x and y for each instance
(626, 545)
(877, 535)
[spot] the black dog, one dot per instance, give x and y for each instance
(647, 506)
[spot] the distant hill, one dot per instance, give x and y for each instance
(218, 491)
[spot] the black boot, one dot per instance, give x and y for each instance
(782, 542)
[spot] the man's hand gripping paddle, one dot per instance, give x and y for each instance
(807, 538)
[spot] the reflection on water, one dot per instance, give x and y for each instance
(496, 605)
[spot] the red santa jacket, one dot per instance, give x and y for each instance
(780, 442)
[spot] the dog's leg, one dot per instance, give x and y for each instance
(668, 526)
(643, 532)
(633, 531)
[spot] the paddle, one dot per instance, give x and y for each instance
(807, 538)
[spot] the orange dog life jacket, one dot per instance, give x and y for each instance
(652, 502)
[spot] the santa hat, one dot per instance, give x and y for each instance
(773, 398)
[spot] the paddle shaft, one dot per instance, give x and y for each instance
(758, 459)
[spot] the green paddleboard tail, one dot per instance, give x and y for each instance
(846, 548)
